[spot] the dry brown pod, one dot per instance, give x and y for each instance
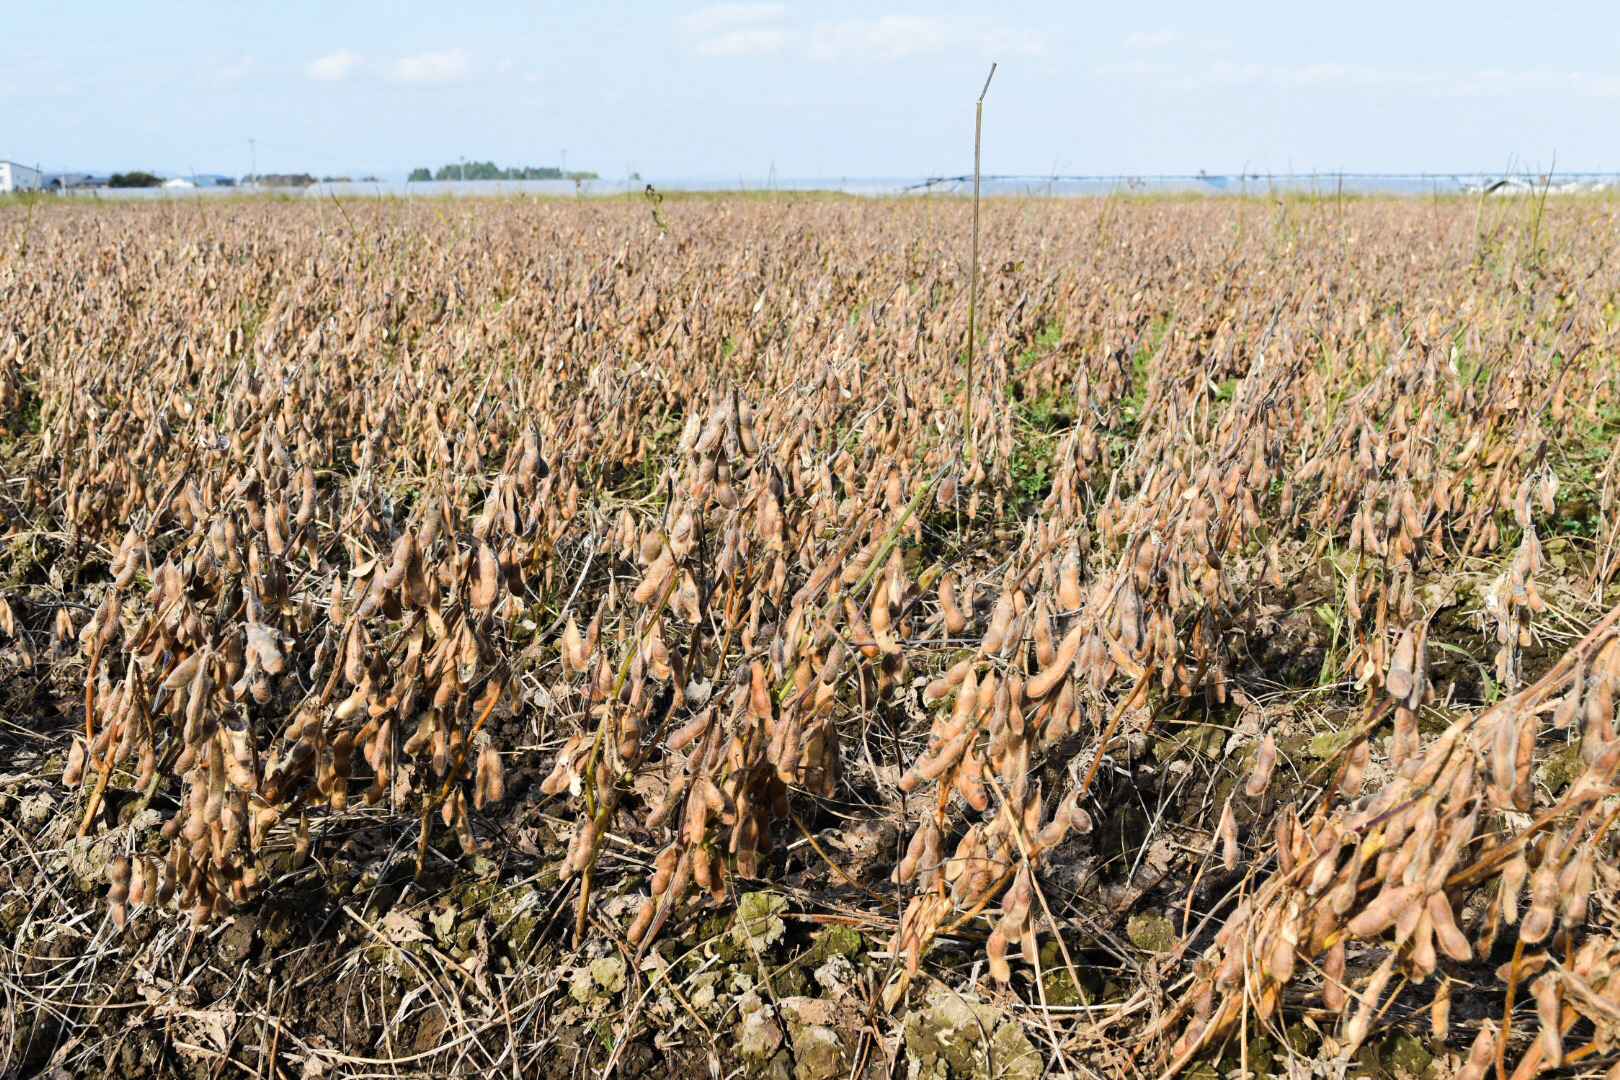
(1265, 761)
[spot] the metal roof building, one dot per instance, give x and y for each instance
(14, 177)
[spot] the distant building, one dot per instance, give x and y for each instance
(74, 181)
(200, 180)
(14, 177)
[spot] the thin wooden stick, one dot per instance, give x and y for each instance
(973, 270)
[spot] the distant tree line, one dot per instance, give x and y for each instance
(488, 170)
(279, 179)
(134, 179)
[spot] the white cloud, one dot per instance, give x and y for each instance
(766, 41)
(1497, 82)
(334, 66)
(901, 37)
(722, 18)
(1494, 82)
(221, 73)
(431, 67)
(1153, 39)
(738, 31)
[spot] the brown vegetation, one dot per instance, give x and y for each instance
(1261, 596)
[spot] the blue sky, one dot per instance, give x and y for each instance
(825, 90)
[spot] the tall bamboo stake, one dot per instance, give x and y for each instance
(973, 271)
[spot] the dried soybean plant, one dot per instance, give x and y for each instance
(258, 679)
(691, 504)
(1422, 876)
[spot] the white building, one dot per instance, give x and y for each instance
(200, 180)
(14, 177)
